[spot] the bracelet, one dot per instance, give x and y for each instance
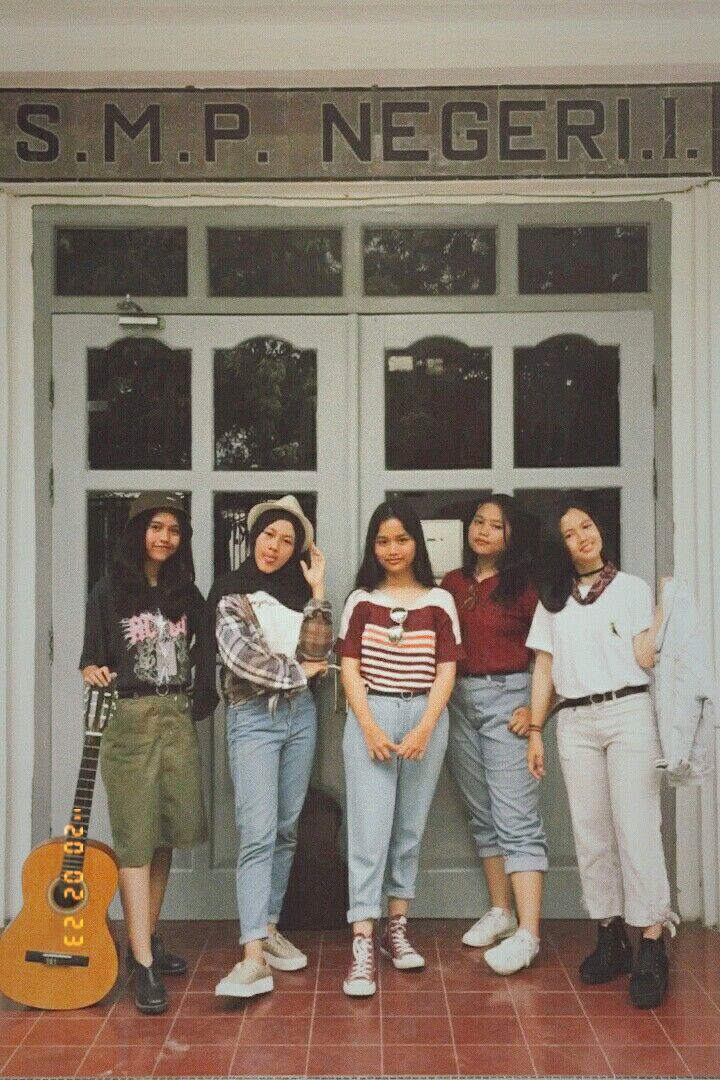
(535, 727)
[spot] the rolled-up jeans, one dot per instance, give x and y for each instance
(387, 804)
(270, 754)
(607, 754)
(489, 764)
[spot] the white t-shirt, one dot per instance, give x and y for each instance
(280, 625)
(591, 645)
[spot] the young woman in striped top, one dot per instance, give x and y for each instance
(399, 643)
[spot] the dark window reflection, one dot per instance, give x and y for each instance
(602, 503)
(138, 406)
(583, 259)
(429, 262)
(437, 406)
(107, 513)
(275, 262)
(230, 520)
(567, 407)
(265, 406)
(114, 262)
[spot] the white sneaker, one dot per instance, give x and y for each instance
(282, 954)
(495, 924)
(360, 979)
(513, 953)
(248, 978)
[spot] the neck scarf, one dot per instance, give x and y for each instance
(598, 587)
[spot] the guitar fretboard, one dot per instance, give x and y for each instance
(77, 831)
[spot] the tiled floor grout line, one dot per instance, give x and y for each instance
(522, 1029)
(241, 1025)
(447, 1005)
(314, 1005)
(21, 1043)
(93, 1042)
(677, 1049)
(585, 1013)
(182, 999)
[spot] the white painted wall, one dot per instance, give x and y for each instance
(336, 42)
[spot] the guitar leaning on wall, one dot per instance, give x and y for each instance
(58, 952)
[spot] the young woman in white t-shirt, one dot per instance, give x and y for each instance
(594, 638)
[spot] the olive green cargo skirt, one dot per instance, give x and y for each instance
(150, 765)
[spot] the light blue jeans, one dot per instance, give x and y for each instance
(270, 755)
(489, 764)
(387, 805)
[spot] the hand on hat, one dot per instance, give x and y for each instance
(315, 572)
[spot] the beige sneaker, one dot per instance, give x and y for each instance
(282, 954)
(248, 978)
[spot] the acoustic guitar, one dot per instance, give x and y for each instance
(58, 952)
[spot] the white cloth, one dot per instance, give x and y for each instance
(592, 644)
(684, 688)
(606, 754)
(280, 624)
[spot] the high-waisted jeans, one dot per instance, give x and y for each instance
(489, 764)
(270, 754)
(387, 805)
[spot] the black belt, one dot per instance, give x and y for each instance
(597, 699)
(154, 692)
(492, 674)
(404, 694)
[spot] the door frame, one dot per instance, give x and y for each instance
(29, 302)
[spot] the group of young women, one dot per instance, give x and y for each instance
(424, 669)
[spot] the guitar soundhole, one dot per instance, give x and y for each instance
(68, 897)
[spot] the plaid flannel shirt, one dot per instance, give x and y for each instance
(250, 667)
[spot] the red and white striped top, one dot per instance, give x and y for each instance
(431, 636)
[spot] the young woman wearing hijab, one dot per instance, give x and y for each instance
(594, 638)
(273, 630)
(140, 624)
(489, 718)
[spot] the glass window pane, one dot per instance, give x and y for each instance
(446, 505)
(114, 262)
(583, 259)
(275, 262)
(567, 405)
(230, 518)
(265, 406)
(107, 513)
(603, 503)
(138, 406)
(429, 262)
(437, 406)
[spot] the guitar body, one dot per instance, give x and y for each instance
(61, 957)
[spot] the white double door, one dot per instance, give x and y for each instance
(344, 474)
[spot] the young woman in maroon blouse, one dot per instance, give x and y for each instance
(489, 719)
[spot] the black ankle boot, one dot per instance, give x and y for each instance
(166, 963)
(649, 979)
(149, 988)
(612, 955)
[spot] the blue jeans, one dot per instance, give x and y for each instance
(270, 757)
(387, 805)
(489, 764)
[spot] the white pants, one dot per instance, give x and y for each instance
(607, 753)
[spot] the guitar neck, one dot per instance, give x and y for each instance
(76, 830)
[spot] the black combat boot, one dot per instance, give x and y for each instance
(649, 979)
(611, 957)
(149, 989)
(165, 962)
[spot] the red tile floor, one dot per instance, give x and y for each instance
(455, 1018)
